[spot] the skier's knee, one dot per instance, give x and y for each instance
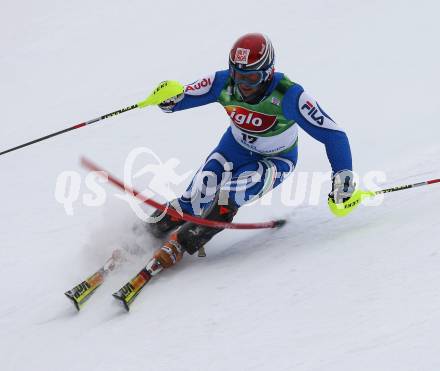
(161, 223)
(193, 236)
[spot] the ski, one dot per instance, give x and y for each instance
(82, 292)
(127, 293)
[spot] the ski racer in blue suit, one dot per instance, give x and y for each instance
(258, 150)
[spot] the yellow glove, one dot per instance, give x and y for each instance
(344, 197)
(166, 90)
(346, 207)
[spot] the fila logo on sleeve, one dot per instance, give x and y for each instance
(201, 86)
(312, 112)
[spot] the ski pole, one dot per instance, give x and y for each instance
(346, 207)
(74, 127)
(408, 186)
(164, 91)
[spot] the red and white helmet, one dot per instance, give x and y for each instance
(253, 51)
(251, 66)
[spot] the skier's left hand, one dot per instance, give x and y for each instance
(343, 186)
(343, 198)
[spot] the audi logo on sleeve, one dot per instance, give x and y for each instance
(201, 86)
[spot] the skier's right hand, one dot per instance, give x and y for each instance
(169, 104)
(166, 95)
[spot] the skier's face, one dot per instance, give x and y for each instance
(250, 83)
(247, 90)
(249, 78)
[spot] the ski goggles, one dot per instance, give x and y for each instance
(252, 78)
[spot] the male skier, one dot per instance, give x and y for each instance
(257, 151)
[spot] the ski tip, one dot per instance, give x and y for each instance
(122, 300)
(71, 298)
(279, 223)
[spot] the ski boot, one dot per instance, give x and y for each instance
(191, 237)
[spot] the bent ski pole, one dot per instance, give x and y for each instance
(174, 213)
(164, 91)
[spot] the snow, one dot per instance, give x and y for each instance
(359, 293)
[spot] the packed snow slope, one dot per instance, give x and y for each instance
(321, 294)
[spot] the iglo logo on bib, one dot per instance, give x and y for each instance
(251, 121)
